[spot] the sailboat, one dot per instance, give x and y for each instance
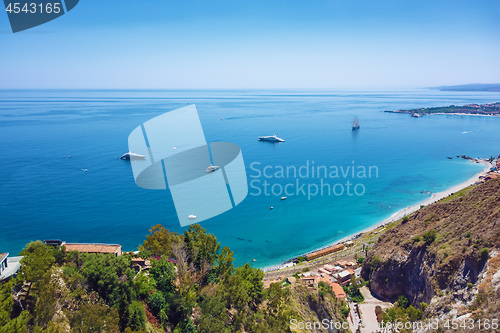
(355, 124)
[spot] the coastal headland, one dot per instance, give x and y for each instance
(488, 109)
(360, 242)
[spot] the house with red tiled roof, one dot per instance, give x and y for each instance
(115, 249)
(339, 292)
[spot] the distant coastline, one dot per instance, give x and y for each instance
(492, 87)
(488, 109)
(399, 214)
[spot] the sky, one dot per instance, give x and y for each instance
(256, 44)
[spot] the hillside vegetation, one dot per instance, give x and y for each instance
(192, 286)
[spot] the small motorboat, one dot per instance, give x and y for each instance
(271, 207)
(449, 157)
(132, 156)
(212, 168)
(283, 198)
(192, 217)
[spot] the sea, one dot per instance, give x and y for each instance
(397, 160)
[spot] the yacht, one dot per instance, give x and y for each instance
(355, 124)
(272, 138)
(132, 156)
(192, 217)
(212, 168)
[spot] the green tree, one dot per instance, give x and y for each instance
(163, 273)
(157, 302)
(202, 247)
(159, 241)
(94, 318)
(37, 260)
(225, 263)
(6, 302)
(136, 316)
(214, 317)
(44, 301)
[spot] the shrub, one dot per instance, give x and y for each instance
(360, 260)
(345, 310)
(405, 219)
(429, 236)
(485, 254)
(403, 302)
(375, 261)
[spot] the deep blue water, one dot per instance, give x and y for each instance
(46, 195)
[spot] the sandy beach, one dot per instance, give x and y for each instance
(408, 210)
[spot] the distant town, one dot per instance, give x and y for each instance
(489, 109)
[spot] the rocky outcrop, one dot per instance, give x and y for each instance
(314, 308)
(441, 247)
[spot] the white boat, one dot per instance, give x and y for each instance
(272, 138)
(283, 198)
(355, 124)
(132, 156)
(192, 217)
(212, 168)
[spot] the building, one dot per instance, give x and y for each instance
(343, 278)
(115, 249)
(349, 243)
(351, 264)
(342, 263)
(9, 266)
(308, 281)
(139, 264)
(328, 268)
(3, 262)
(325, 279)
(339, 292)
(324, 252)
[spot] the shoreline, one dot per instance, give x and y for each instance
(399, 214)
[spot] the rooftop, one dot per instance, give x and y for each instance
(13, 265)
(337, 289)
(92, 248)
(344, 274)
(3, 256)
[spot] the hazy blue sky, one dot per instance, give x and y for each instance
(167, 44)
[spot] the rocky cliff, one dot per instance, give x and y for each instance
(442, 248)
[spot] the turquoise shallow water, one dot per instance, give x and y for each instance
(44, 194)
